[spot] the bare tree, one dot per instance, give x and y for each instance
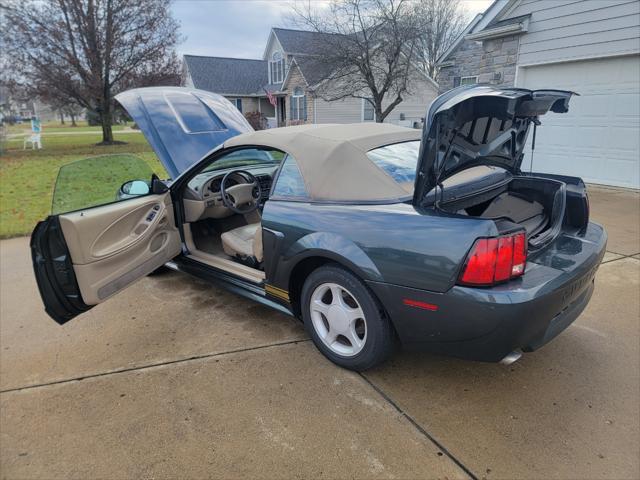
(443, 21)
(366, 49)
(88, 50)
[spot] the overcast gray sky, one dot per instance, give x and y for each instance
(239, 28)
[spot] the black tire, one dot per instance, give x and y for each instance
(380, 339)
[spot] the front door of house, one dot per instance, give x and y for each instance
(282, 112)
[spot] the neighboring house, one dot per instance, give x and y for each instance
(238, 79)
(290, 73)
(591, 47)
(15, 107)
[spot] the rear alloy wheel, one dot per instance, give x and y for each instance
(344, 319)
(338, 319)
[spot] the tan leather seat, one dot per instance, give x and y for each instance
(244, 241)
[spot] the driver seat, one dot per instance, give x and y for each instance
(244, 243)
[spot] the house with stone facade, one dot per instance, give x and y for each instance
(591, 47)
(291, 73)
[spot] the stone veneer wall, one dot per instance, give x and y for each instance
(297, 80)
(492, 61)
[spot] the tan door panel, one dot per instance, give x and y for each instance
(114, 245)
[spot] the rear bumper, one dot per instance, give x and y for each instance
(488, 323)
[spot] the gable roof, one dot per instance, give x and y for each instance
(227, 76)
(479, 22)
(300, 42)
(312, 68)
(501, 28)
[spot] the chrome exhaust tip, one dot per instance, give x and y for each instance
(511, 357)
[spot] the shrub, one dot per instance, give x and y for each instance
(257, 120)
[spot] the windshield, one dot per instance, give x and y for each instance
(246, 158)
(399, 161)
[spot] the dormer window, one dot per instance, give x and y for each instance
(276, 67)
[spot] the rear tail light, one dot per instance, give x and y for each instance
(495, 260)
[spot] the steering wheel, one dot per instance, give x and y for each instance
(242, 198)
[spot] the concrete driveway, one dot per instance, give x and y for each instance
(176, 378)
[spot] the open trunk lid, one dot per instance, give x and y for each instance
(479, 125)
(182, 124)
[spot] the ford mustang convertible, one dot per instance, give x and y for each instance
(372, 234)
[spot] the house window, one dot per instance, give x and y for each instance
(238, 103)
(298, 105)
(368, 112)
(468, 80)
(276, 67)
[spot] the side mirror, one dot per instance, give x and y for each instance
(135, 187)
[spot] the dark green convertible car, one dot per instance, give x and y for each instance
(371, 234)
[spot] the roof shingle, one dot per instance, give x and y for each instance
(227, 76)
(300, 41)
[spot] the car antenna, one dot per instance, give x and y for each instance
(536, 122)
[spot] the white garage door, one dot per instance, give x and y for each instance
(599, 138)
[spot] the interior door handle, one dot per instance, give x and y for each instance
(139, 231)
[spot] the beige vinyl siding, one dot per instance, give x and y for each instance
(348, 110)
(249, 104)
(414, 106)
(561, 30)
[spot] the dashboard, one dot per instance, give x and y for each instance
(202, 197)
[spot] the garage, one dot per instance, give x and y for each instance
(598, 139)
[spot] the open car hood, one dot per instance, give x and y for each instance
(182, 124)
(479, 125)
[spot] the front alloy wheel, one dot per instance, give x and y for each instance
(344, 320)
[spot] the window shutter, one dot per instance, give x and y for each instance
(304, 107)
(291, 100)
(456, 81)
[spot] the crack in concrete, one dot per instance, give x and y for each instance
(150, 365)
(622, 257)
(419, 427)
(394, 405)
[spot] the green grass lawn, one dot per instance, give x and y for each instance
(55, 127)
(27, 177)
(67, 144)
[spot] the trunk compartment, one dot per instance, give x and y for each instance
(543, 205)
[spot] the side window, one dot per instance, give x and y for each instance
(399, 161)
(101, 180)
(289, 182)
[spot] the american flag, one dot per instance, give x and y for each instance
(272, 99)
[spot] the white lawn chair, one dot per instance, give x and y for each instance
(34, 140)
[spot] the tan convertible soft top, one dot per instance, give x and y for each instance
(332, 158)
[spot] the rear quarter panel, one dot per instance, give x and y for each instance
(393, 243)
